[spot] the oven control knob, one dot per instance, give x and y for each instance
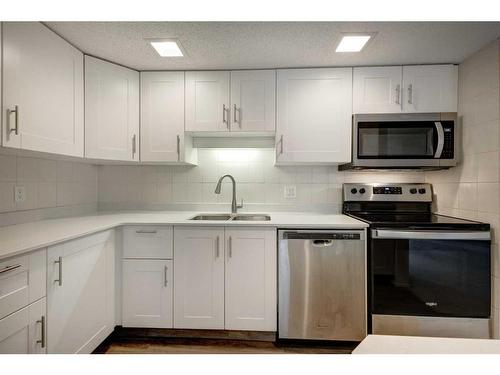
(354, 190)
(362, 191)
(413, 191)
(421, 191)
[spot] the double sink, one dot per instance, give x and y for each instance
(233, 217)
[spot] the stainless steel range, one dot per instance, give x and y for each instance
(428, 274)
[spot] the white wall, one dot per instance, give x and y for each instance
(472, 190)
(53, 188)
(259, 183)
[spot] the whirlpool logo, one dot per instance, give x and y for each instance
(431, 304)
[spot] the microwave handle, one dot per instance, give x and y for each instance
(440, 139)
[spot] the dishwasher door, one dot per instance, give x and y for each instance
(322, 285)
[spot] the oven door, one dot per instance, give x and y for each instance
(430, 273)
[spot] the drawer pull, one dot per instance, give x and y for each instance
(165, 279)
(42, 335)
(9, 268)
(146, 231)
(59, 262)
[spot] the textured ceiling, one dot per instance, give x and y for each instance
(253, 45)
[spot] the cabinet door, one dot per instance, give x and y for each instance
(111, 111)
(148, 292)
(207, 101)
(43, 79)
(251, 279)
(253, 100)
(314, 116)
(430, 88)
(23, 332)
(162, 116)
(80, 293)
(199, 277)
(377, 89)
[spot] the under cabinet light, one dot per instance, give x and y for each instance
(352, 43)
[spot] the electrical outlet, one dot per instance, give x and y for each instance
(290, 192)
(19, 193)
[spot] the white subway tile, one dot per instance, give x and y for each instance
(27, 170)
(8, 168)
(7, 196)
(489, 197)
(488, 166)
(47, 194)
(64, 171)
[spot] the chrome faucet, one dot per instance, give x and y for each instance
(234, 205)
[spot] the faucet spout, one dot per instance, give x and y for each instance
(234, 205)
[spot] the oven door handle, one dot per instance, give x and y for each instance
(430, 235)
(440, 139)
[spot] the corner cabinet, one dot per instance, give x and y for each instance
(407, 89)
(42, 106)
(162, 119)
(80, 293)
(314, 116)
(111, 111)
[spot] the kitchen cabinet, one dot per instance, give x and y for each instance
(250, 279)
(148, 242)
(253, 101)
(430, 88)
(409, 89)
(162, 119)
(148, 293)
(80, 293)
(207, 101)
(199, 277)
(24, 332)
(111, 111)
(42, 105)
(314, 110)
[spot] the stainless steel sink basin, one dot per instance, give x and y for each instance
(222, 217)
(250, 217)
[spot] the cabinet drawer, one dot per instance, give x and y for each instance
(153, 242)
(22, 281)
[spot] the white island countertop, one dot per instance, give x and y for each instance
(21, 238)
(384, 344)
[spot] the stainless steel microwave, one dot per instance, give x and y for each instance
(403, 141)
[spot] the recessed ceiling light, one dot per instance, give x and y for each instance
(352, 43)
(167, 48)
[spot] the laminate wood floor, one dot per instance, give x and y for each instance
(211, 346)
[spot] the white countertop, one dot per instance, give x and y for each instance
(17, 239)
(383, 344)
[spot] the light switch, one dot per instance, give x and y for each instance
(290, 192)
(19, 193)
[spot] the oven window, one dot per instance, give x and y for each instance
(395, 140)
(431, 277)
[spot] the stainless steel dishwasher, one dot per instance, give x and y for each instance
(322, 285)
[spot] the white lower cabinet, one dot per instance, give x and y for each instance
(199, 277)
(80, 293)
(23, 332)
(250, 282)
(148, 293)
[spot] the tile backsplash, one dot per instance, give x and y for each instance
(260, 184)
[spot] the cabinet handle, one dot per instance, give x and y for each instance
(410, 94)
(217, 251)
(165, 281)
(9, 112)
(230, 247)
(59, 262)
(398, 93)
(42, 334)
(237, 115)
(281, 145)
(178, 147)
(9, 268)
(142, 231)
(133, 146)
(224, 119)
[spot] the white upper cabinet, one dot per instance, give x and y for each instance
(199, 277)
(42, 90)
(162, 118)
(408, 89)
(111, 111)
(314, 115)
(251, 279)
(207, 101)
(253, 102)
(377, 89)
(430, 88)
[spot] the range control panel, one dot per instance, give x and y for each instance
(387, 192)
